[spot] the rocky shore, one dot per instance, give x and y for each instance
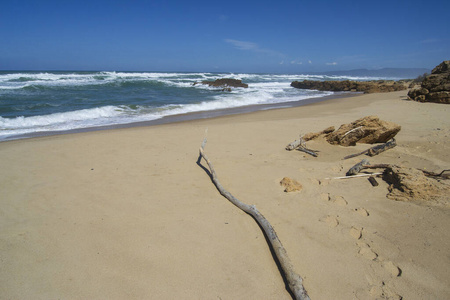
(435, 87)
(367, 87)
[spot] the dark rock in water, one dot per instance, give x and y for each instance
(226, 83)
(374, 86)
(435, 87)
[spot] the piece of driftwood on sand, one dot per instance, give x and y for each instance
(373, 181)
(295, 281)
(376, 149)
(300, 145)
(354, 176)
(357, 168)
(364, 164)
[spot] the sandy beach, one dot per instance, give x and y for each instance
(129, 214)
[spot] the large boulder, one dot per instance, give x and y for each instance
(374, 86)
(435, 87)
(367, 130)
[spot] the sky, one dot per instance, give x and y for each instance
(292, 36)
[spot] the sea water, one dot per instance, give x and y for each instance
(40, 102)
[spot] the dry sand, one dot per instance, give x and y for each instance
(128, 213)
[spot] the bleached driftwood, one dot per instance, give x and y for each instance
(354, 129)
(294, 280)
(294, 144)
(376, 149)
(300, 145)
(355, 176)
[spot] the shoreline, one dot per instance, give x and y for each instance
(190, 116)
(128, 213)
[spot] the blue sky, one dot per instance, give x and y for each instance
(230, 36)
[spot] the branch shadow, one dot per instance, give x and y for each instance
(199, 163)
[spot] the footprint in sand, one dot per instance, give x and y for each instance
(383, 292)
(366, 252)
(356, 232)
(325, 196)
(339, 200)
(391, 268)
(362, 211)
(332, 221)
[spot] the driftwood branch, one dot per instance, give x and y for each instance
(294, 144)
(373, 181)
(354, 129)
(357, 168)
(376, 149)
(300, 145)
(355, 176)
(309, 151)
(434, 175)
(294, 280)
(364, 164)
(381, 148)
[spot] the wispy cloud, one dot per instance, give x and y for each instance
(295, 62)
(310, 62)
(250, 46)
(331, 63)
(242, 45)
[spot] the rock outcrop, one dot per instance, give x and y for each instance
(374, 86)
(435, 87)
(368, 130)
(225, 83)
(409, 184)
(314, 135)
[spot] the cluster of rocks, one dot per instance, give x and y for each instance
(225, 83)
(374, 86)
(435, 87)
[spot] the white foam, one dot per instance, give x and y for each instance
(263, 89)
(22, 80)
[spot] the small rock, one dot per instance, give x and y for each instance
(291, 185)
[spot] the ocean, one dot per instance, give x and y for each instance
(42, 103)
